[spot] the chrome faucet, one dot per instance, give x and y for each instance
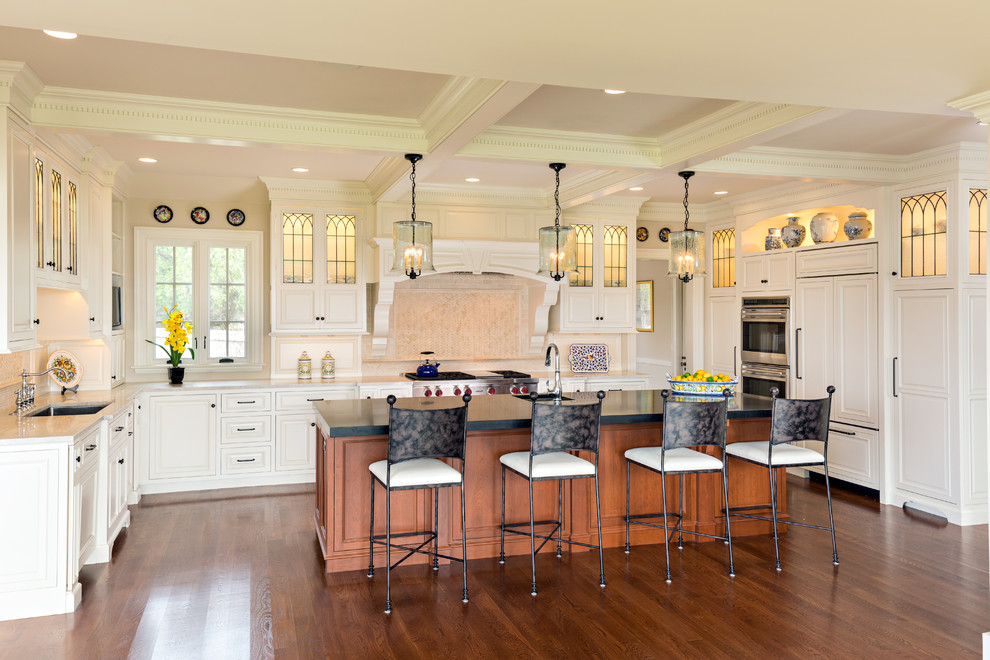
(557, 388)
(25, 395)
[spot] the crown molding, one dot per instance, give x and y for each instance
(383, 180)
(564, 146)
(457, 102)
(239, 123)
(456, 195)
(673, 213)
(978, 104)
(816, 193)
(99, 165)
(807, 163)
(618, 208)
(288, 191)
(728, 126)
(19, 85)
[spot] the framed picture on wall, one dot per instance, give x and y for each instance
(644, 306)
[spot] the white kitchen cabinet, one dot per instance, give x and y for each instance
(382, 391)
(119, 472)
(20, 327)
(614, 383)
(836, 342)
(295, 442)
(602, 296)
(766, 272)
(303, 400)
(182, 440)
(853, 454)
(56, 216)
(723, 332)
(316, 278)
(118, 373)
(86, 518)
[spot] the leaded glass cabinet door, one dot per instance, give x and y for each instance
(616, 302)
(600, 296)
(297, 289)
(340, 308)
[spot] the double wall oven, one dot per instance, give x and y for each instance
(765, 356)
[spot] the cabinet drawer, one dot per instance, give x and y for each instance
(86, 452)
(246, 402)
(304, 399)
(840, 260)
(245, 429)
(244, 460)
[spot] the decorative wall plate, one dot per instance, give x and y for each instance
(664, 235)
(589, 358)
(67, 369)
(200, 215)
(163, 213)
(235, 217)
(642, 233)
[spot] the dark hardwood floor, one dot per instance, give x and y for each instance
(238, 574)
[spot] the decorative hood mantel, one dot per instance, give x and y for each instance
(452, 257)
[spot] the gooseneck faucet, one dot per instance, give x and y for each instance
(557, 388)
(25, 395)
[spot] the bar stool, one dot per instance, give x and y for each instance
(686, 424)
(418, 437)
(792, 420)
(557, 428)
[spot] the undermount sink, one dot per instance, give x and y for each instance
(56, 410)
(542, 397)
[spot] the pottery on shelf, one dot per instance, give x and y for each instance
(858, 226)
(773, 241)
(304, 367)
(328, 367)
(792, 233)
(824, 228)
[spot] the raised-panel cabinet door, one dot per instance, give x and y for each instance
(752, 272)
(297, 307)
(780, 270)
(580, 309)
(183, 440)
(295, 442)
(21, 331)
(723, 332)
(856, 351)
(341, 306)
(617, 309)
(85, 506)
(37, 559)
(813, 331)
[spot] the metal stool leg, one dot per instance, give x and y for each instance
(532, 536)
(725, 500)
(598, 510)
(464, 556)
(831, 523)
(560, 513)
(501, 547)
(666, 536)
(680, 513)
(371, 533)
(773, 508)
(436, 526)
(388, 550)
(627, 506)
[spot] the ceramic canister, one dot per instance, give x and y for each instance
(858, 226)
(773, 241)
(328, 367)
(304, 369)
(824, 228)
(793, 232)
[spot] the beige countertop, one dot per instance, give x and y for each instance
(21, 430)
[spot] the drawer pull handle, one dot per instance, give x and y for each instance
(90, 447)
(842, 432)
(130, 433)
(243, 403)
(315, 399)
(118, 428)
(120, 461)
(250, 429)
(245, 460)
(78, 459)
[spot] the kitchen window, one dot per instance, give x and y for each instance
(214, 277)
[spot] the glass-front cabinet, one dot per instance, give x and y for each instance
(55, 216)
(315, 274)
(600, 295)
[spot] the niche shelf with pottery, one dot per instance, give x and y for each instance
(826, 225)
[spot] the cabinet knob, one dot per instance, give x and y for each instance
(92, 318)
(69, 268)
(120, 461)
(894, 273)
(78, 459)
(113, 378)
(37, 321)
(213, 405)
(312, 423)
(50, 263)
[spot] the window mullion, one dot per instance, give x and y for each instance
(201, 300)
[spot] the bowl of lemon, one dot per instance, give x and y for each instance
(702, 383)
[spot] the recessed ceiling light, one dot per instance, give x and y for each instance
(60, 35)
(614, 91)
(636, 188)
(300, 169)
(146, 159)
(721, 192)
(472, 179)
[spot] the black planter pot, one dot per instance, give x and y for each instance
(176, 374)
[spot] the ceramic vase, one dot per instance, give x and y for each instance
(328, 367)
(858, 226)
(304, 368)
(773, 241)
(176, 374)
(792, 233)
(824, 228)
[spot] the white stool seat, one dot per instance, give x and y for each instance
(680, 459)
(416, 472)
(783, 454)
(553, 465)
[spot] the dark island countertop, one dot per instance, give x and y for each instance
(368, 417)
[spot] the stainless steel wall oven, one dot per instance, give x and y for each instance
(765, 356)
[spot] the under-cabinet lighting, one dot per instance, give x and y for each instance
(614, 91)
(721, 192)
(147, 159)
(472, 179)
(301, 170)
(636, 188)
(60, 35)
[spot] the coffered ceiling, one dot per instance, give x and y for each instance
(497, 92)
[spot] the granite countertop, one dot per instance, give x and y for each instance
(21, 430)
(361, 417)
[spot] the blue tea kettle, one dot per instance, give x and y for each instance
(427, 370)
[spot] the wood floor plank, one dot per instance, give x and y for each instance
(239, 574)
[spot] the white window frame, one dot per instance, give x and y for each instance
(149, 358)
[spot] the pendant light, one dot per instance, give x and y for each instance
(412, 240)
(687, 248)
(558, 245)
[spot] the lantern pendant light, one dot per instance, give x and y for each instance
(558, 245)
(687, 248)
(412, 240)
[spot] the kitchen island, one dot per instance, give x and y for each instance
(352, 434)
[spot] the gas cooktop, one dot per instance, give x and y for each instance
(460, 375)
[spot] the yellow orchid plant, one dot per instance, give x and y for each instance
(179, 332)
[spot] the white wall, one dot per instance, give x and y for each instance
(656, 352)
